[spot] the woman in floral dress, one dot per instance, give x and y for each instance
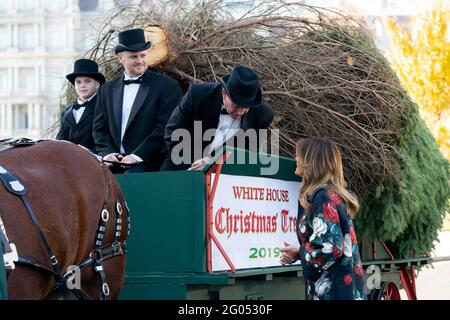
(328, 247)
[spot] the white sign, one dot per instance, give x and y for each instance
(251, 219)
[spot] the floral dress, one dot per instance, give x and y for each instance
(329, 250)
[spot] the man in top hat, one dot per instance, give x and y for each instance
(229, 105)
(76, 120)
(132, 110)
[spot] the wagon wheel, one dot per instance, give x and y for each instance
(387, 291)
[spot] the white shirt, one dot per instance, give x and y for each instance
(226, 128)
(129, 95)
(77, 114)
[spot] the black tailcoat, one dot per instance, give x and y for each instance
(156, 98)
(81, 132)
(203, 102)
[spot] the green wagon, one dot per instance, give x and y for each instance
(169, 249)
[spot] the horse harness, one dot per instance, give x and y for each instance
(95, 259)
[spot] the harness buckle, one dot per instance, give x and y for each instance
(96, 255)
(105, 289)
(53, 260)
(105, 215)
(119, 208)
(118, 249)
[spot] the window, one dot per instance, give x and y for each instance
(5, 37)
(20, 116)
(88, 5)
(55, 40)
(26, 37)
(4, 5)
(26, 5)
(54, 81)
(3, 80)
(26, 79)
(58, 5)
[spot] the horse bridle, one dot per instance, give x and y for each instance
(97, 256)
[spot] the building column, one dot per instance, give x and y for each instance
(10, 84)
(44, 117)
(3, 116)
(70, 42)
(37, 36)
(43, 74)
(42, 35)
(10, 30)
(30, 116)
(9, 117)
(15, 35)
(37, 80)
(15, 82)
(37, 116)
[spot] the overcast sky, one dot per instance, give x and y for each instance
(378, 7)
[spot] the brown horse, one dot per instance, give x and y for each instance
(67, 189)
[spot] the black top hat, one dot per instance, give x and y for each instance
(86, 68)
(132, 40)
(242, 86)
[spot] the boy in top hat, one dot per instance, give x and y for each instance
(132, 110)
(233, 103)
(76, 120)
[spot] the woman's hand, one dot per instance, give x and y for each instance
(289, 254)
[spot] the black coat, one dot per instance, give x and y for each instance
(81, 132)
(158, 95)
(203, 102)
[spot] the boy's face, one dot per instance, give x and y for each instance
(86, 87)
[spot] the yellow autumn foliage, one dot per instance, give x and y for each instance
(421, 58)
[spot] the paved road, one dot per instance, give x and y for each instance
(433, 283)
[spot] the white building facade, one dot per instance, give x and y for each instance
(39, 40)
(36, 45)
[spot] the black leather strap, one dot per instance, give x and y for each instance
(11, 183)
(36, 264)
(17, 188)
(98, 259)
(52, 257)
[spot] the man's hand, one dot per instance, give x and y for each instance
(114, 157)
(128, 160)
(200, 163)
(289, 253)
